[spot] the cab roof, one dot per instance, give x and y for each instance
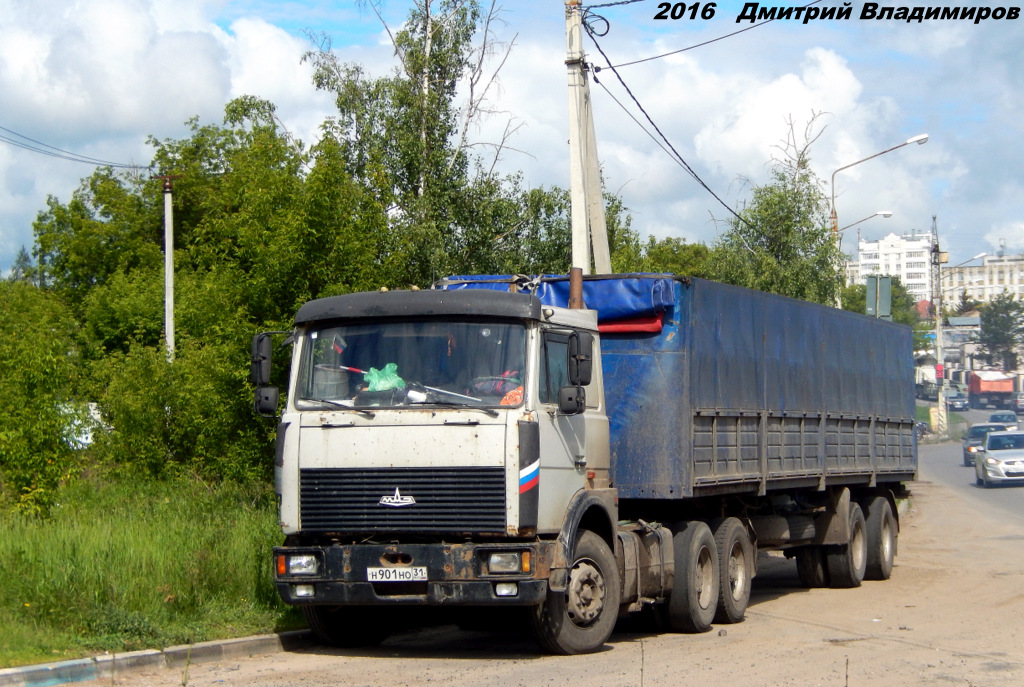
(403, 304)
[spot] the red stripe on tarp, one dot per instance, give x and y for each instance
(523, 488)
(650, 324)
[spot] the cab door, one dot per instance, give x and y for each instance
(570, 444)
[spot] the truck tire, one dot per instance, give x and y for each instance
(694, 600)
(580, 619)
(735, 569)
(848, 562)
(882, 531)
(811, 568)
(347, 626)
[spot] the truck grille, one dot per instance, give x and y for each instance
(428, 500)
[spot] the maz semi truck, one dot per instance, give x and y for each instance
(482, 445)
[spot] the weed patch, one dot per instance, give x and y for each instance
(125, 565)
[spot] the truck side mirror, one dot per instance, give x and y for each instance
(266, 401)
(581, 358)
(572, 400)
(260, 359)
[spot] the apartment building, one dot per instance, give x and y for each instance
(907, 257)
(982, 282)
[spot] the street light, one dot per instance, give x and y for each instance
(880, 213)
(950, 270)
(920, 139)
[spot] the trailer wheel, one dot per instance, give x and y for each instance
(580, 619)
(735, 567)
(347, 626)
(848, 562)
(694, 599)
(882, 532)
(811, 568)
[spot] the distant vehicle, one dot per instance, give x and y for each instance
(989, 388)
(974, 439)
(1005, 417)
(1001, 460)
(1018, 403)
(955, 400)
(927, 391)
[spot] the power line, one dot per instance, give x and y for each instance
(698, 45)
(32, 145)
(675, 153)
(613, 4)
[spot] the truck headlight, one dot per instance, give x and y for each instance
(509, 562)
(298, 564)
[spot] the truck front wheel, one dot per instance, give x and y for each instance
(580, 619)
(347, 626)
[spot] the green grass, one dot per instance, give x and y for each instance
(132, 564)
(956, 422)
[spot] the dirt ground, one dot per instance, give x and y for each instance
(952, 614)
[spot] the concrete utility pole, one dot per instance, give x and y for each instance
(938, 257)
(169, 263)
(587, 205)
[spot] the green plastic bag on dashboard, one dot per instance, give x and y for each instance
(384, 380)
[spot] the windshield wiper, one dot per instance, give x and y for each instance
(361, 411)
(462, 404)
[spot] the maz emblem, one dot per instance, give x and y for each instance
(397, 500)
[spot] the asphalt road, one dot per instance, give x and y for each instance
(943, 464)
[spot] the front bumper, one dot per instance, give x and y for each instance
(1003, 472)
(456, 574)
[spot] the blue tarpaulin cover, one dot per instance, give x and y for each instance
(630, 296)
(740, 387)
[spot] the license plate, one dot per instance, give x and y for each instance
(412, 574)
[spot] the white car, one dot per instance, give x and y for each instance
(1001, 460)
(1005, 417)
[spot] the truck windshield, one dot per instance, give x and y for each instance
(410, 364)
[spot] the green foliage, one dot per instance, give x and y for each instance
(192, 416)
(106, 229)
(1002, 328)
(129, 564)
(781, 242)
(23, 268)
(38, 413)
(965, 304)
(675, 256)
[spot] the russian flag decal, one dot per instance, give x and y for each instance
(529, 477)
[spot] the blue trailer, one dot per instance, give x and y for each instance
(582, 463)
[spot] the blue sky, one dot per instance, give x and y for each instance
(98, 76)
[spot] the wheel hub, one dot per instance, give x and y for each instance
(585, 593)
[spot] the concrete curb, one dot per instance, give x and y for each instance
(109, 665)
